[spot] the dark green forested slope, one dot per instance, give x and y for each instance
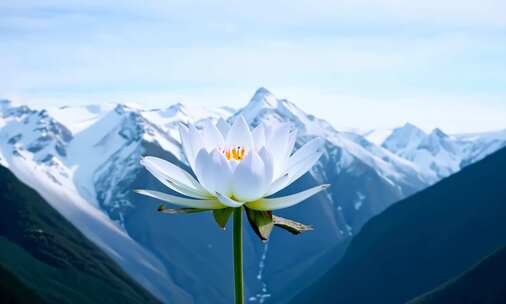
(484, 283)
(422, 241)
(43, 258)
(13, 291)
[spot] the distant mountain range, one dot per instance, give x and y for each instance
(438, 154)
(85, 161)
(425, 240)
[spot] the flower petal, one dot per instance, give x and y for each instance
(211, 136)
(278, 184)
(201, 161)
(266, 157)
(304, 165)
(307, 149)
(298, 164)
(249, 178)
(213, 171)
(196, 140)
(172, 171)
(223, 126)
(225, 200)
(186, 202)
(265, 204)
(296, 171)
(239, 134)
(269, 130)
(174, 177)
(291, 143)
(299, 168)
(278, 145)
(184, 134)
(289, 148)
(192, 143)
(259, 137)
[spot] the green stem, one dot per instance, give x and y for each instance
(238, 273)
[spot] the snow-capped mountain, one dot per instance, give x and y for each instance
(63, 166)
(85, 162)
(345, 154)
(438, 154)
(477, 146)
(264, 107)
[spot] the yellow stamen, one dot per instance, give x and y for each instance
(236, 153)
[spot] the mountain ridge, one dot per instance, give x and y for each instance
(100, 166)
(485, 282)
(422, 241)
(52, 260)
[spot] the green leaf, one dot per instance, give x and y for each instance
(221, 216)
(261, 222)
(164, 209)
(289, 225)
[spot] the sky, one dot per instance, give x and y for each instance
(357, 64)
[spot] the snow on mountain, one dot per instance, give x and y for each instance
(404, 138)
(426, 151)
(78, 118)
(85, 160)
(264, 107)
(439, 154)
(376, 136)
(477, 146)
(484, 136)
(63, 165)
(36, 149)
(167, 119)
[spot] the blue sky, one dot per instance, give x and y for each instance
(373, 64)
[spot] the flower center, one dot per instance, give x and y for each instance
(236, 153)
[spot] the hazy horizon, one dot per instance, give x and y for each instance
(360, 128)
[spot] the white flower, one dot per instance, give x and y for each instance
(235, 166)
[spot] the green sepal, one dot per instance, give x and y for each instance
(221, 216)
(261, 222)
(164, 209)
(289, 225)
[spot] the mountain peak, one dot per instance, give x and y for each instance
(263, 98)
(173, 110)
(437, 141)
(410, 127)
(121, 108)
(404, 136)
(177, 106)
(262, 91)
(438, 133)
